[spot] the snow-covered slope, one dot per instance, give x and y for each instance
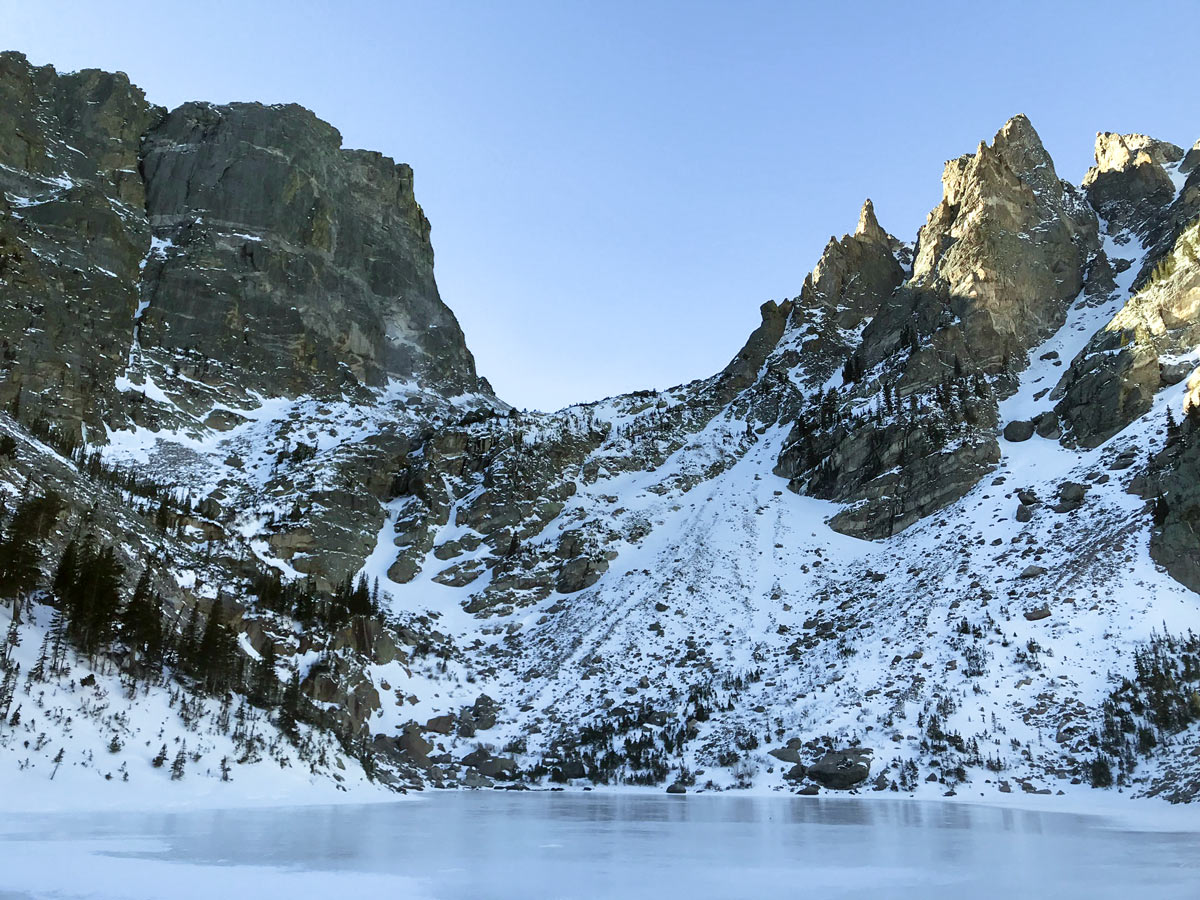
(902, 542)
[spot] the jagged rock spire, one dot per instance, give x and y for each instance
(868, 225)
(1000, 205)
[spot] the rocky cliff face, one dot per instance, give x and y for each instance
(207, 252)
(623, 590)
(302, 266)
(73, 232)
(996, 265)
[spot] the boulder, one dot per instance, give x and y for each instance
(1018, 431)
(1032, 572)
(842, 769)
(440, 724)
(1070, 496)
(415, 746)
(492, 766)
(785, 754)
(473, 779)
(573, 768)
(1041, 612)
(676, 788)
(1046, 425)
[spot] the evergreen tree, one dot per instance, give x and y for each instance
(12, 640)
(20, 552)
(141, 623)
(289, 709)
(186, 651)
(8, 690)
(67, 571)
(263, 686)
(93, 601)
(58, 641)
(1101, 772)
(216, 656)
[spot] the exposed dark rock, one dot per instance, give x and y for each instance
(841, 769)
(1015, 432)
(1071, 495)
(1046, 425)
(321, 253)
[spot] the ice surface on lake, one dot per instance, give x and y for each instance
(530, 846)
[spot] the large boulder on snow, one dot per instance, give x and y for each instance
(842, 769)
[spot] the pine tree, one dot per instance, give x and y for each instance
(141, 623)
(289, 708)
(1100, 771)
(67, 572)
(179, 762)
(38, 672)
(262, 690)
(58, 641)
(93, 602)
(186, 652)
(160, 759)
(8, 689)
(12, 640)
(19, 548)
(216, 656)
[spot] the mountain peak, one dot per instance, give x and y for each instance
(1116, 152)
(868, 226)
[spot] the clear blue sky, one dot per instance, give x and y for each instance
(615, 187)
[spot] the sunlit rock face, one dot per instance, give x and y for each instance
(997, 263)
(240, 244)
(1129, 185)
(1145, 348)
(1172, 484)
(1140, 187)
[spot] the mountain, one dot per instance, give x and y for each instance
(933, 528)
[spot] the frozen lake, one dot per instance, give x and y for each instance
(527, 846)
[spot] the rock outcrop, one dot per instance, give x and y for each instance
(304, 266)
(842, 769)
(226, 252)
(1129, 185)
(1145, 348)
(997, 263)
(73, 232)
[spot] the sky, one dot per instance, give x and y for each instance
(616, 187)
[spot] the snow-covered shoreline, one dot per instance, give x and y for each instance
(30, 796)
